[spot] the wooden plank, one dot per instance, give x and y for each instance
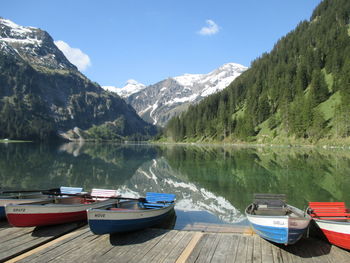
(296, 258)
(37, 249)
(276, 253)
(13, 235)
(286, 256)
(28, 240)
(163, 254)
(232, 248)
(266, 251)
(151, 255)
(122, 245)
(209, 248)
(196, 249)
(318, 254)
(241, 249)
(249, 249)
(223, 248)
(257, 249)
(303, 251)
(141, 249)
(337, 254)
(166, 246)
(94, 250)
(60, 249)
(180, 248)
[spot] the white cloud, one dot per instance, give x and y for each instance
(211, 29)
(74, 55)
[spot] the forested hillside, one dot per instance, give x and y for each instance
(300, 90)
(43, 95)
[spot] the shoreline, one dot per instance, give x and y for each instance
(256, 145)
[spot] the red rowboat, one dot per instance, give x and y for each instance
(57, 211)
(334, 220)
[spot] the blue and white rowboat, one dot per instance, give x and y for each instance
(284, 225)
(126, 216)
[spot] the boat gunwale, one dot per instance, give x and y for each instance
(335, 222)
(50, 205)
(299, 217)
(99, 210)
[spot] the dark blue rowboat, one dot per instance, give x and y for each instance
(130, 215)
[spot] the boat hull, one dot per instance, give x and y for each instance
(41, 219)
(5, 201)
(2, 212)
(279, 229)
(337, 233)
(39, 215)
(107, 222)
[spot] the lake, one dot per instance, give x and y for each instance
(213, 184)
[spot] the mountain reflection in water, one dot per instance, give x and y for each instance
(212, 184)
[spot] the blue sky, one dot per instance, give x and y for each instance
(150, 40)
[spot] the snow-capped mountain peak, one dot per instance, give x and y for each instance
(159, 102)
(132, 86)
(188, 80)
(33, 45)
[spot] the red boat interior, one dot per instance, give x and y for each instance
(329, 211)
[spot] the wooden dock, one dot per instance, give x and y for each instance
(75, 243)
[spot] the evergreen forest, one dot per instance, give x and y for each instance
(299, 91)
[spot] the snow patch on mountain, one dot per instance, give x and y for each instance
(18, 34)
(188, 80)
(16, 29)
(159, 102)
(212, 82)
(131, 87)
(33, 45)
(110, 88)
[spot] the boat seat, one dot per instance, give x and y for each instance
(270, 204)
(273, 212)
(103, 194)
(70, 190)
(267, 203)
(155, 200)
(329, 210)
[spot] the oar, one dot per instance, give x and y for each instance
(86, 195)
(46, 191)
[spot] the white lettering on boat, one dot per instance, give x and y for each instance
(19, 210)
(280, 223)
(100, 215)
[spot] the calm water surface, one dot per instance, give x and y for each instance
(212, 184)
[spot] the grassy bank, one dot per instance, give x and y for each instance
(12, 141)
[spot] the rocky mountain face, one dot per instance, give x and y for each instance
(159, 102)
(42, 94)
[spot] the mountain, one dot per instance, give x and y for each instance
(42, 94)
(131, 87)
(159, 102)
(297, 93)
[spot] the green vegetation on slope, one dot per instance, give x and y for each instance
(298, 91)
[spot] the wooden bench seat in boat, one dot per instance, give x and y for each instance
(270, 204)
(329, 211)
(158, 200)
